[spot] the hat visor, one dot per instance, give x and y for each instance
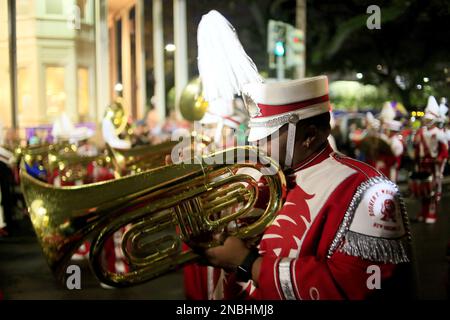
(258, 133)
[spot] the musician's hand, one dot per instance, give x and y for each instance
(229, 255)
(232, 254)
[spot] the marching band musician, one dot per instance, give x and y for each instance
(341, 218)
(430, 153)
(391, 130)
(389, 164)
(385, 147)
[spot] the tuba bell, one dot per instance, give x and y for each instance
(140, 158)
(145, 157)
(160, 208)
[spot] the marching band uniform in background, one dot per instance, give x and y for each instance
(357, 136)
(431, 153)
(385, 131)
(389, 164)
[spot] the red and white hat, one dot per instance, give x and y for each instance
(272, 105)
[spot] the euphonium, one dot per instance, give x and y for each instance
(140, 158)
(145, 157)
(161, 208)
(72, 166)
(38, 156)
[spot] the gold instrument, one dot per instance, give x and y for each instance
(115, 112)
(40, 155)
(192, 104)
(140, 158)
(34, 154)
(72, 167)
(161, 208)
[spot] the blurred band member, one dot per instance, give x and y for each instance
(431, 153)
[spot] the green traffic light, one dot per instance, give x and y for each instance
(279, 49)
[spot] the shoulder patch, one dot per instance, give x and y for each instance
(379, 213)
(375, 225)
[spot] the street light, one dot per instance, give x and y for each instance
(118, 87)
(359, 75)
(170, 47)
(426, 79)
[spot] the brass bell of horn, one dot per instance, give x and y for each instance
(192, 104)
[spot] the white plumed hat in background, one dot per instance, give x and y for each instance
(387, 113)
(432, 109)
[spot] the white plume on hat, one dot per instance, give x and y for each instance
(372, 121)
(432, 109)
(443, 109)
(387, 113)
(63, 127)
(223, 64)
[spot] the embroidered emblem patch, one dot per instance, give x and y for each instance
(379, 213)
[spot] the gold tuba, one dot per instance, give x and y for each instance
(72, 167)
(140, 158)
(145, 157)
(161, 208)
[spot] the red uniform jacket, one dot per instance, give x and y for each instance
(430, 145)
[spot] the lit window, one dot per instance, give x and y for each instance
(54, 6)
(55, 90)
(83, 92)
(23, 90)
